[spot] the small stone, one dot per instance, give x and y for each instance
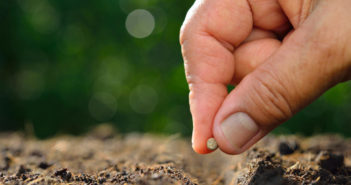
(44, 165)
(288, 147)
(212, 144)
(155, 176)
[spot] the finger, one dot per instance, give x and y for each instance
(312, 60)
(207, 89)
(268, 15)
(252, 54)
(256, 48)
(208, 34)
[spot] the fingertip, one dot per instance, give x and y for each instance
(201, 133)
(199, 139)
(199, 145)
(204, 103)
(201, 150)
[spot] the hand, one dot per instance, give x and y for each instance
(280, 54)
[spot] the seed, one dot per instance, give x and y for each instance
(212, 144)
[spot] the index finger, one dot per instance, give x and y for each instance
(210, 31)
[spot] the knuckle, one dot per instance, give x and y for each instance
(182, 33)
(189, 23)
(193, 22)
(190, 79)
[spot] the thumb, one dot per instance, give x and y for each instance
(312, 60)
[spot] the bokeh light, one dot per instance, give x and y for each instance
(41, 15)
(140, 23)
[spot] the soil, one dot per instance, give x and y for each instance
(102, 157)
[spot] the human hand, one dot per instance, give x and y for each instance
(280, 54)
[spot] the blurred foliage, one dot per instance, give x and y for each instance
(68, 65)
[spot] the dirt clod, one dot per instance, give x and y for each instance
(44, 165)
(22, 170)
(287, 147)
(64, 174)
(330, 161)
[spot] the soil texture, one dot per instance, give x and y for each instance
(107, 158)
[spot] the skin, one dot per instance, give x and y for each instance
(280, 54)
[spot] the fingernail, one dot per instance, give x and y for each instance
(238, 129)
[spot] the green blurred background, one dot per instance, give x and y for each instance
(66, 66)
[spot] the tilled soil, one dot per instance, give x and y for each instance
(105, 158)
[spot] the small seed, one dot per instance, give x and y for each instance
(212, 144)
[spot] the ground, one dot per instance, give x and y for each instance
(102, 157)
